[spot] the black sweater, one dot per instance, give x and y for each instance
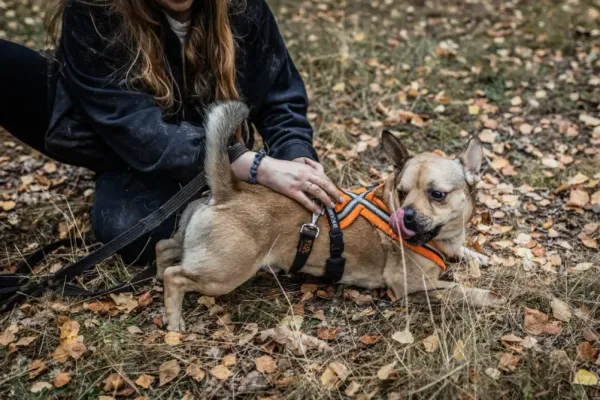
(97, 122)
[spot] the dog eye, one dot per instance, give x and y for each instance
(437, 195)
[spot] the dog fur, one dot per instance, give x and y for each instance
(224, 239)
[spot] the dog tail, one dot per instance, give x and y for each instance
(222, 121)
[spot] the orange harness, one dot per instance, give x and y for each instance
(362, 202)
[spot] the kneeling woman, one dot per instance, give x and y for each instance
(125, 95)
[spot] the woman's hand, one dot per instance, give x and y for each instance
(302, 179)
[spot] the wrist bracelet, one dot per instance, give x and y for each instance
(254, 169)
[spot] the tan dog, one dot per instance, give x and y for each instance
(225, 239)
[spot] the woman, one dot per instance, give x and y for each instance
(125, 94)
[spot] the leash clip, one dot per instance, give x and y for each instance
(312, 225)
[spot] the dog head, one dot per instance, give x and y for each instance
(432, 196)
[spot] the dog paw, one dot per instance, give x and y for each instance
(483, 260)
(178, 326)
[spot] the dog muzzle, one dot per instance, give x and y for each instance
(398, 226)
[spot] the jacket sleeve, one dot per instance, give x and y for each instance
(280, 115)
(129, 121)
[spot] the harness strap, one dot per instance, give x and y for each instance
(305, 245)
(335, 264)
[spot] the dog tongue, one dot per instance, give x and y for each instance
(397, 225)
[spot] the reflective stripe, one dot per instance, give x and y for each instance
(361, 202)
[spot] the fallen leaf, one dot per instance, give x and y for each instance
(113, 382)
(40, 387)
(265, 364)
(134, 330)
(334, 375)
(459, 350)
(339, 87)
(173, 338)
(61, 379)
(561, 358)
(585, 377)
(474, 109)
(352, 389)
(385, 371)
(293, 322)
(431, 343)
(124, 302)
(8, 205)
(221, 372)
(144, 381)
(535, 321)
(560, 310)
(493, 373)
(525, 129)
(167, 372)
(6, 337)
(577, 179)
(328, 333)
(370, 339)
(35, 368)
(50, 167)
(26, 341)
(508, 362)
(588, 241)
(578, 198)
(252, 331)
(586, 351)
(145, 299)
(229, 360)
(195, 372)
(206, 301)
(516, 101)
(295, 341)
(404, 337)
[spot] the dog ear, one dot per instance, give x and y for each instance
(471, 159)
(394, 149)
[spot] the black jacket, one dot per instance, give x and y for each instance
(97, 122)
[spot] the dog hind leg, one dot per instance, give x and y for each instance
(454, 293)
(168, 253)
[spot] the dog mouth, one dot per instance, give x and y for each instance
(411, 236)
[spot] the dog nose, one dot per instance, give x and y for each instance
(410, 217)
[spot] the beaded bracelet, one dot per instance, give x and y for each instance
(254, 169)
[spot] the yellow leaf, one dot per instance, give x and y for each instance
(229, 360)
(144, 381)
(8, 205)
(195, 372)
(359, 37)
(167, 372)
(431, 343)
(474, 109)
(585, 377)
(221, 372)
(459, 350)
(265, 364)
(385, 371)
(173, 338)
(339, 87)
(206, 301)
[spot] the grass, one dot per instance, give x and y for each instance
(387, 55)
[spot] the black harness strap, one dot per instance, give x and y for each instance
(335, 264)
(305, 245)
(15, 291)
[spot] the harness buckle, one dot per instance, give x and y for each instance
(312, 225)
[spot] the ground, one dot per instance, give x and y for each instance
(523, 76)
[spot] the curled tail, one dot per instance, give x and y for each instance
(222, 121)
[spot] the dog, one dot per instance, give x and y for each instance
(225, 238)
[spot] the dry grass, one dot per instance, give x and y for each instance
(377, 49)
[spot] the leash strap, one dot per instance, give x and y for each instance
(19, 292)
(335, 264)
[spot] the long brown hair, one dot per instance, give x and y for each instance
(209, 49)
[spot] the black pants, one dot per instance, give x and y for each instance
(123, 197)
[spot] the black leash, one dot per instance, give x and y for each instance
(335, 264)
(17, 287)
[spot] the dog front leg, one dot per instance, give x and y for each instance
(466, 254)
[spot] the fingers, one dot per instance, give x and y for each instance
(315, 191)
(313, 164)
(303, 199)
(322, 181)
